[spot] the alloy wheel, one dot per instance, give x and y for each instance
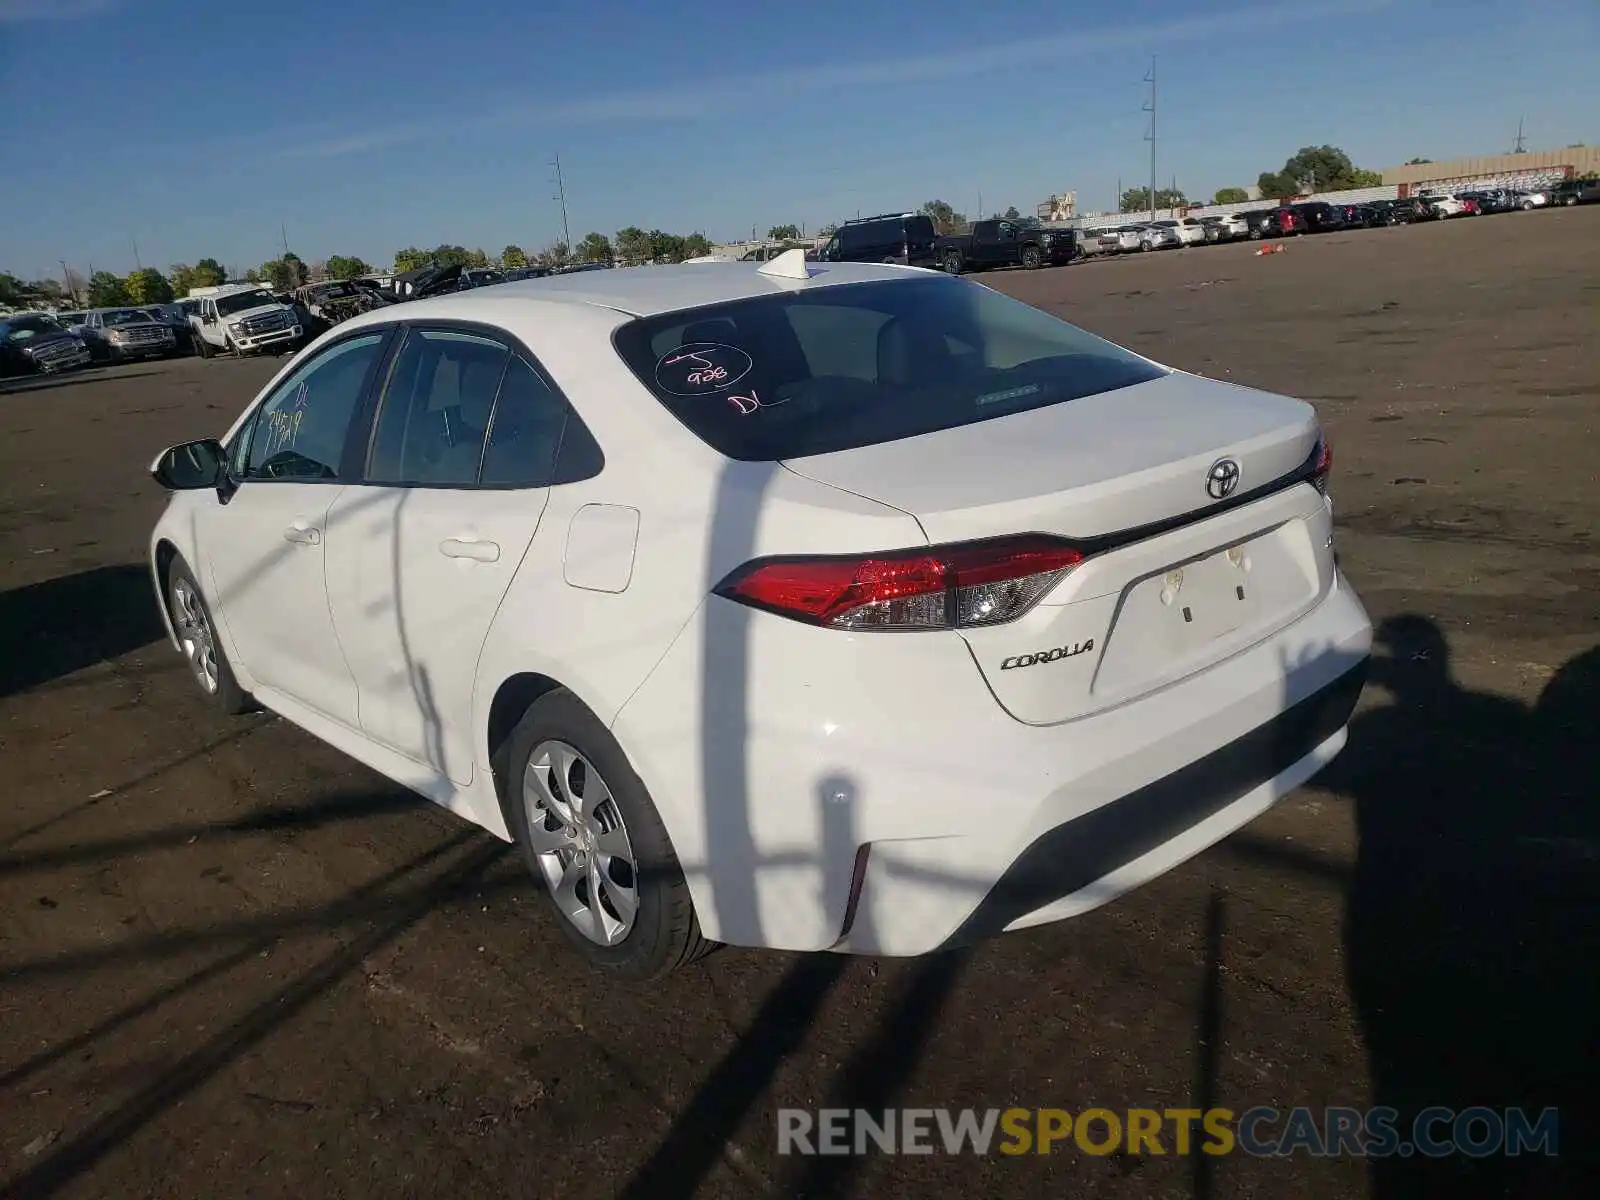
(580, 843)
(195, 635)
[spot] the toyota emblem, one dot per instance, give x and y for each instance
(1222, 479)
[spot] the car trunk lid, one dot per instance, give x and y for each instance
(1183, 494)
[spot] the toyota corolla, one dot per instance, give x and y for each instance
(808, 606)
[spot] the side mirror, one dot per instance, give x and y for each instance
(191, 466)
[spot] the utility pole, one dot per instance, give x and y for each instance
(1150, 107)
(137, 265)
(1519, 148)
(978, 216)
(561, 196)
(283, 233)
(66, 278)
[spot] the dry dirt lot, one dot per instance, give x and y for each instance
(234, 963)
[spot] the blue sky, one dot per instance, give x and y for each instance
(368, 125)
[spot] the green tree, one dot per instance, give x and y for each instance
(633, 245)
(828, 230)
(556, 254)
(476, 258)
(512, 257)
(286, 273)
(1417, 162)
(697, 244)
(595, 247)
(1011, 213)
(107, 290)
(781, 233)
(1316, 169)
(11, 288)
(665, 247)
(1230, 195)
(451, 256)
(946, 219)
(346, 266)
(208, 272)
(1138, 199)
(410, 259)
(149, 286)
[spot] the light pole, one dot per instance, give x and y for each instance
(561, 197)
(1150, 107)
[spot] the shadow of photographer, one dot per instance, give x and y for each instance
(1473, 913)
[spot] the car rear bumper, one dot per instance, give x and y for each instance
(866, 794)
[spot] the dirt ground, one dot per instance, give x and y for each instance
(234, 963)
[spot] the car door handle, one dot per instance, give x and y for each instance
(470, 548)
(303, 535)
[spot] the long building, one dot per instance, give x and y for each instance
(1535, 168)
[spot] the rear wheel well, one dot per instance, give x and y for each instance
(513, 698)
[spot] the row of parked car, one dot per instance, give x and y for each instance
(232, 318)
(1318, 216)
(1315, 216)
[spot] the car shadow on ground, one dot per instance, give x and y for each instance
(1473, 911)
(40, 383)
(63, 625)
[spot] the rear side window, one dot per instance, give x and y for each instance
(528, 422)
(813, 372)
(919, 231)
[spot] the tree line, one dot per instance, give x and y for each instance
(1309, 169)
(105, 289)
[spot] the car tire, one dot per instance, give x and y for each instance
(230, 346)
(1032, 260)
(202, 348)
(951, 262)
(196, 632)
(558, 752)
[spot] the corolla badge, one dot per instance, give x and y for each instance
(1222, 479)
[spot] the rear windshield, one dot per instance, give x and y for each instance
(835, 368)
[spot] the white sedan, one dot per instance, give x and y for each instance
(818, 607)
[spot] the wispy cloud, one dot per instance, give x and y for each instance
(15, 12)
(690, 100)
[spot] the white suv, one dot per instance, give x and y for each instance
(860, 609)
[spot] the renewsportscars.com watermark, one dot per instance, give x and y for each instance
(1263, 1132)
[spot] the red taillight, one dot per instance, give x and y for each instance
(1323, 464)
(939, 587)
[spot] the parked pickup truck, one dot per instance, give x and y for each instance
(1004, 244)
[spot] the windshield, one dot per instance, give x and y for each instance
(834, 368)
(20, 329)
(227, 305)
(125, 316)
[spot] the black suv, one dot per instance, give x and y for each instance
(1575, 191)
(1319, 216)
(906, 238)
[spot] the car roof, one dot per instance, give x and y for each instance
(650, 291)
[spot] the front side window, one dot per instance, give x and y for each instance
(299, 431)
(436, 410)
(834, 368)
